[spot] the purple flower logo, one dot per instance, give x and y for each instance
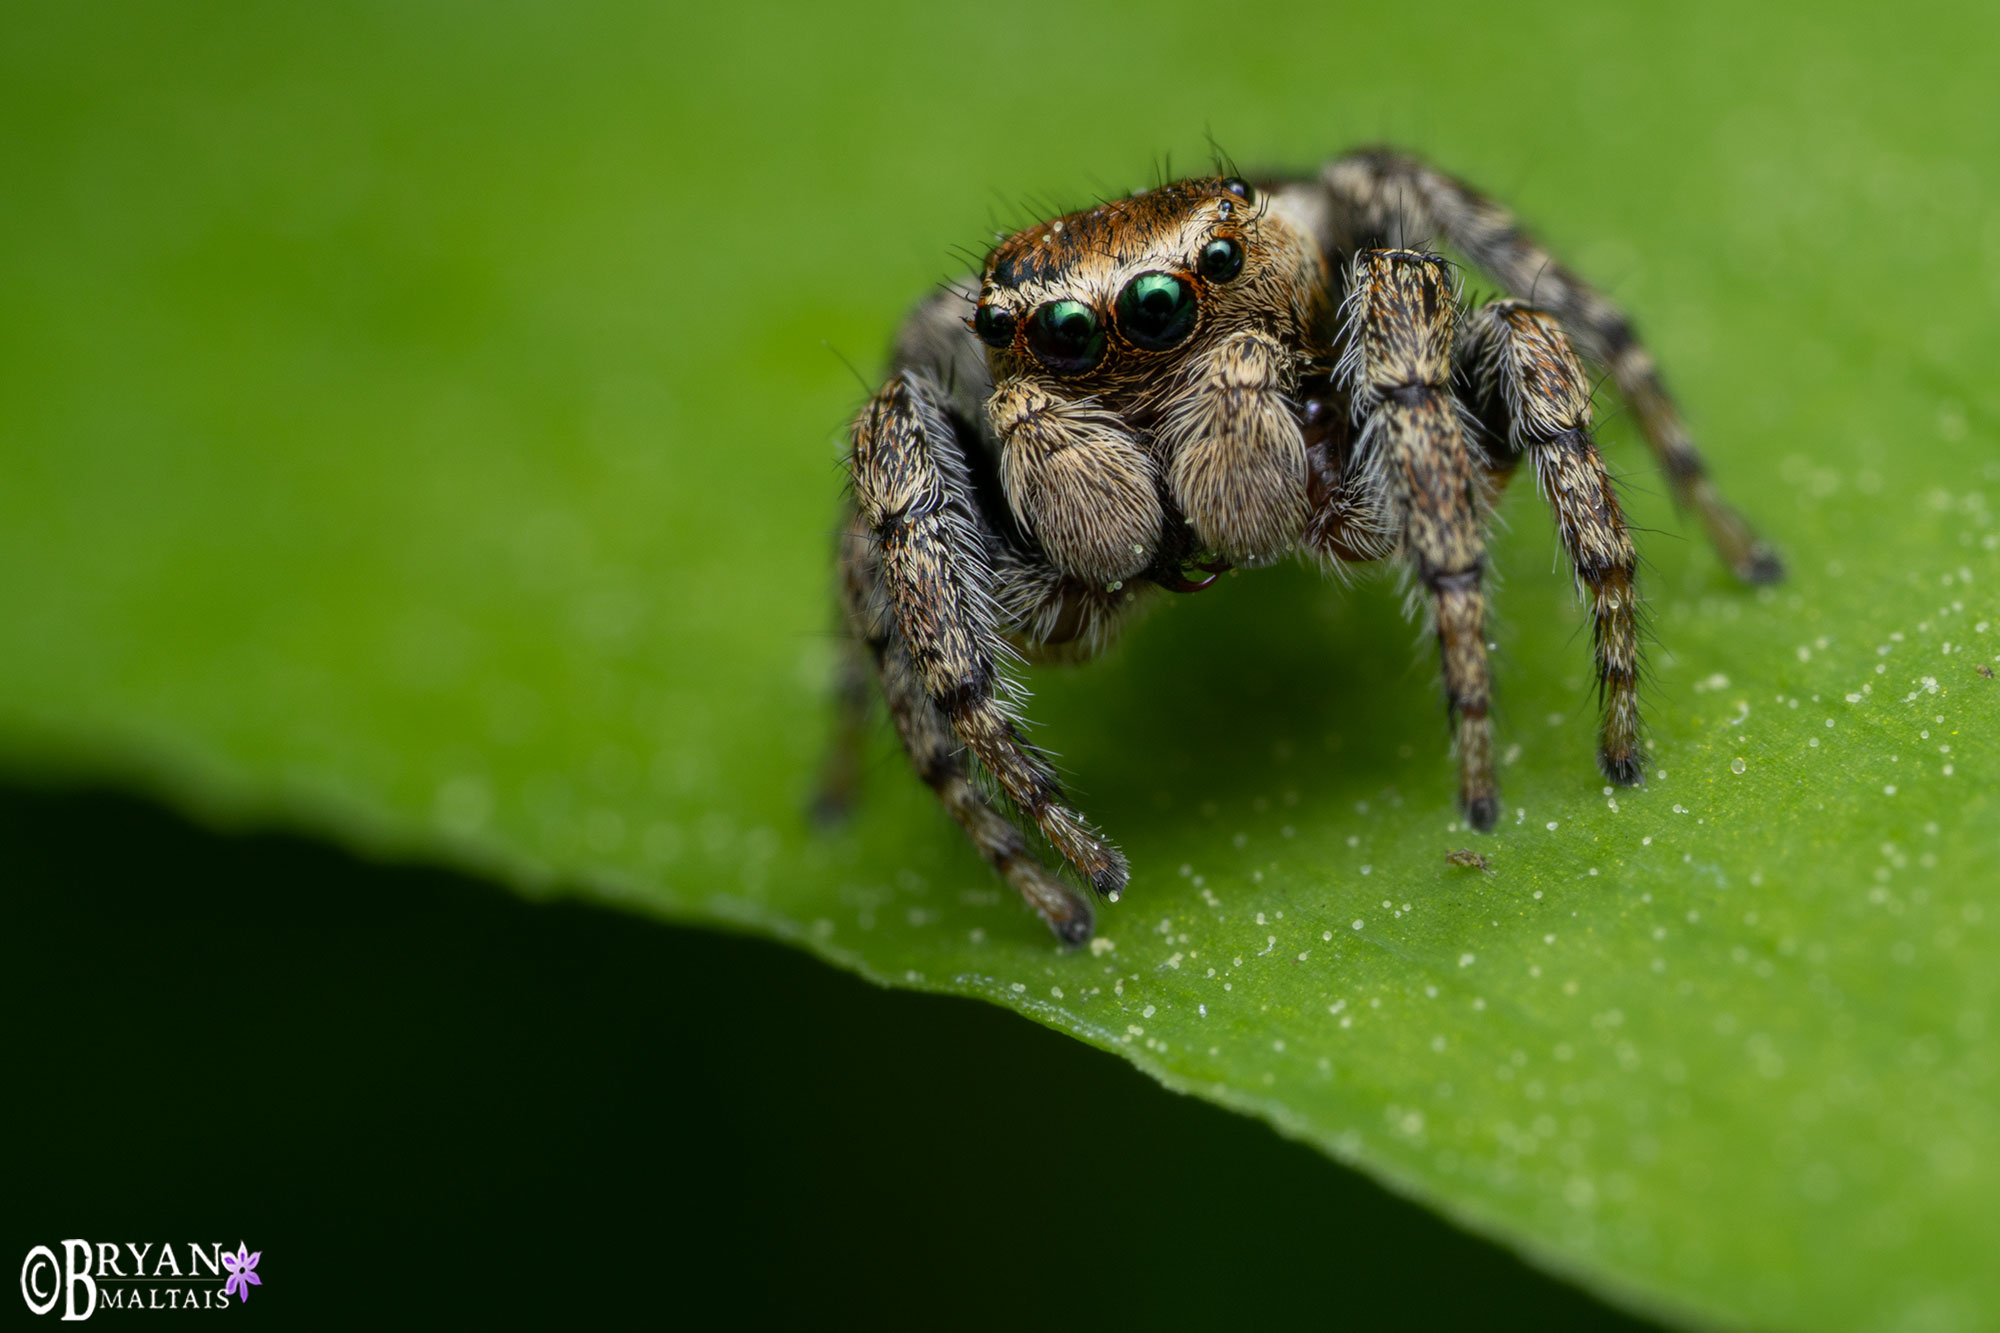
(242, 1267)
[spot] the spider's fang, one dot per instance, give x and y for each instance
(1180, 582)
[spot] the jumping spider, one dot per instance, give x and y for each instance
(1217, 374)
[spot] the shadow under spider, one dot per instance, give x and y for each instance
(1270, 682)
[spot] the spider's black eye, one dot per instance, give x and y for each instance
(1066, 335)
(1239, 187)
(1221, 259)
(1156, 310)
(994, 326)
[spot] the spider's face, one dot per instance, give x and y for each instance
(1128, 286)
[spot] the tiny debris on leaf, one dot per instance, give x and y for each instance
(1984, 670)
(1465, 856)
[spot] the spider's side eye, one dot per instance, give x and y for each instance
(1239, 187)
(1066, 335)
(994, 326)
(1221, 259)
(1156, 310)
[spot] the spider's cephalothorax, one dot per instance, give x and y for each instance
(1214, 374)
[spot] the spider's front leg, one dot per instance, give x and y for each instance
(1385, 197)
(918, 585)
(1414, 453)
(1524, 381)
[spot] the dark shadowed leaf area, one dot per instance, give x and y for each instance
(421, 432)
(360, 1061)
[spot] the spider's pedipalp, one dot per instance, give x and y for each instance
(1078, 480)
(1385, 195)
(1528, 388)
(1237, 460)
(1414, 451)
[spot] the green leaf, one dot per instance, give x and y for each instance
(419, 429)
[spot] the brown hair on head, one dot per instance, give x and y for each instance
(1119, 229)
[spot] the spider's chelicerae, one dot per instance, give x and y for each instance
(1214, 374)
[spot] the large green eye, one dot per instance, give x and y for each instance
(1156, 310)
(1066, 335)
(1221, 259)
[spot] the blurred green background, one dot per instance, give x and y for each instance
(420, 428)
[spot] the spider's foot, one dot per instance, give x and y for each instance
(1110, 878)
(1483, 812)
(1763, 565)
(1077, 930)
(1087, 853)
(1066, 911)
(830, 809)
(1627, 770)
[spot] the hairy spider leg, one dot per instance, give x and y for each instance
(936, 754)
(1390, 198)
(1347, 525)
(919, 525)
(840, 775)
(1523, 379)
(1397, 359)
